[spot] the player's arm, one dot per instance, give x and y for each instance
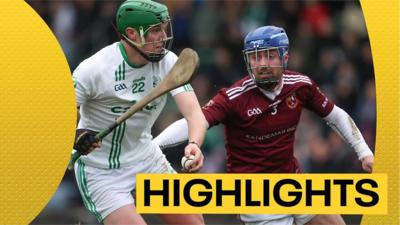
(215, 111)
(178, 132)
(196, 126)
(175, 134)
(344, 125)
(85, 140)
(340, 121)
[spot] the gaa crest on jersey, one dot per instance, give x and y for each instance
(291, 101)
(254, 112)
(120, 87)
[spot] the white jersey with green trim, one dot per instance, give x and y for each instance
(106, 85)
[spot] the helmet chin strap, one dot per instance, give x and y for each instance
(152, 57)
(266, 84)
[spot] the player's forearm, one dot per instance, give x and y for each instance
(173, 135)
(197, 126)
(344, 125)
(189, 106)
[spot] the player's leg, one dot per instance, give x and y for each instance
(107, 193)
(124, 215)
(182, 219)
(323, 220)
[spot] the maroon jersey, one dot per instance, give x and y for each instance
(260, 131)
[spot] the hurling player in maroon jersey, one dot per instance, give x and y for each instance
(261, 112)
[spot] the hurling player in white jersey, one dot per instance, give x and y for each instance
(106, 85)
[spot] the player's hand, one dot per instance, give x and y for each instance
(86, 141)
(197, 163)
(367, 163)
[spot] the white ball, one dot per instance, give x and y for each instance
(186, 162)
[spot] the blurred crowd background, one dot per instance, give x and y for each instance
(328, 42)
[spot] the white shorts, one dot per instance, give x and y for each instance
(275, 219)
(106, 190)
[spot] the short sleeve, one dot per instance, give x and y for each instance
(217, 110)
(184, 88)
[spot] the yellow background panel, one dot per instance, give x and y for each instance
(382, 19)
(38, 113)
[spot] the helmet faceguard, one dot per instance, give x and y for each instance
(268, 83)
(162, 46)
(264, 40)
(145, 17)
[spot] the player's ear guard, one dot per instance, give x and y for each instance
(84, 140)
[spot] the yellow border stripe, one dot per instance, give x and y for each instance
(382, 19)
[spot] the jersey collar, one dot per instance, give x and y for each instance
(125, 56)
(272, 94)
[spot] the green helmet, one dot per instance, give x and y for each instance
(140, 14)
(143, 15)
